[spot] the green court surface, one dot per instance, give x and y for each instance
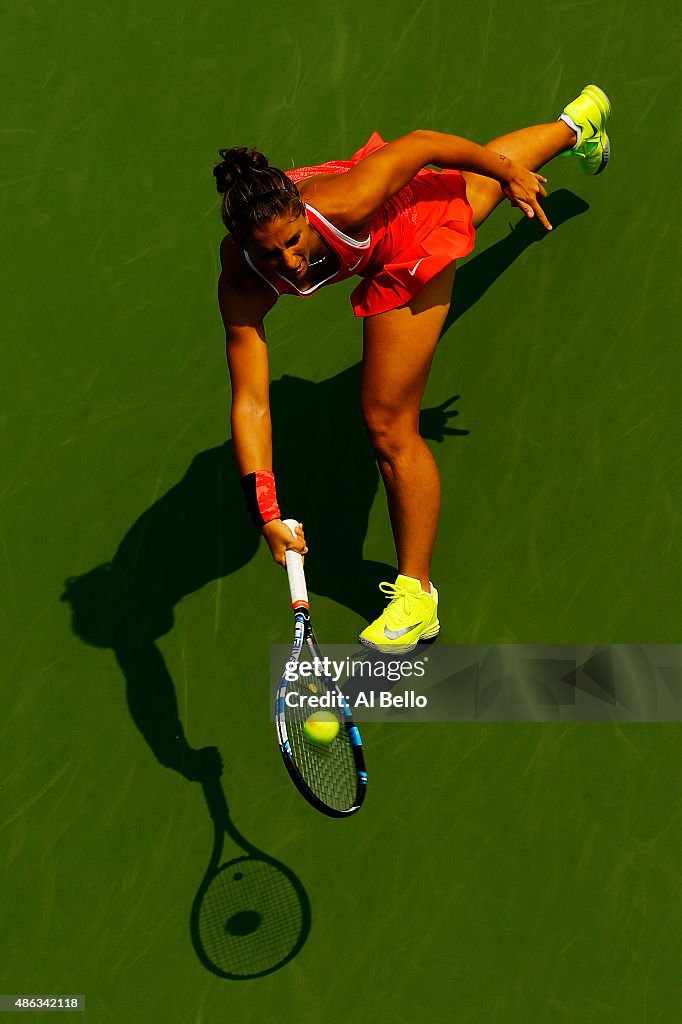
(497, 873)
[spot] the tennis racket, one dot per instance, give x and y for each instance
(332, 777)
(251, 914)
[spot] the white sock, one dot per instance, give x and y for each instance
(571, 124)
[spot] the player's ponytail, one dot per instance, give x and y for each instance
(253, 192)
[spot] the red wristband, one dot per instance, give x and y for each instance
(261, 497)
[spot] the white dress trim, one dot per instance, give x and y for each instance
(340, 234)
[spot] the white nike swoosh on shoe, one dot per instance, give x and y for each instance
(354, 265)
(414, 268)
(395, 634)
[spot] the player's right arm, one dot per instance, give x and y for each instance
(244, 302)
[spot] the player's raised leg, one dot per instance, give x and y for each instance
(581, 128)
(398, 351)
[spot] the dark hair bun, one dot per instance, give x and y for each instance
(238, 164)
(254, 193)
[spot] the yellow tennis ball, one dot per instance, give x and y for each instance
(322, 727)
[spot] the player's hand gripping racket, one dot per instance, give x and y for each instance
(330, 775)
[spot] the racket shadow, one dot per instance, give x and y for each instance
(251, 915)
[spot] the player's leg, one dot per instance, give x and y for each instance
(398, 350)
(584, 129)
(531, 147)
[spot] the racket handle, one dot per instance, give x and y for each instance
(299, 591)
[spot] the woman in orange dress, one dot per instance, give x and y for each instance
(388, 216)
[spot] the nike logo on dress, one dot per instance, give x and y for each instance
(395, 634)
(355, 265)
(414, 268)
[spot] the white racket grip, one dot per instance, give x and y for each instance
(299, 591)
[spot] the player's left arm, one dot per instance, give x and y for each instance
(358, 194)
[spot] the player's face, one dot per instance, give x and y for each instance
(282, 245)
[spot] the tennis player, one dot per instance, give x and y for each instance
(386, 216)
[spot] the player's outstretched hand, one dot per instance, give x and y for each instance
(524, 188)
(280, 539)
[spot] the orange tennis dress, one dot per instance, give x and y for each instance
(417, 233)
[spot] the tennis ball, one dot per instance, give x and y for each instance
(322, 727)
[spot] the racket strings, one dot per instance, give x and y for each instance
(251, 918)
(329, 770)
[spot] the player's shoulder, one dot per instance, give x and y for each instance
(234, 267)
(334, 196)
(242, 294)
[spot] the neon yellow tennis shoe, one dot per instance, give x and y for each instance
(587, 116)
(410, 616)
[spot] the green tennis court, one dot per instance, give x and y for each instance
(497, 873)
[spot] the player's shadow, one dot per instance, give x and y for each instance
(475, 277)
(199, 532)
(176, 546)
